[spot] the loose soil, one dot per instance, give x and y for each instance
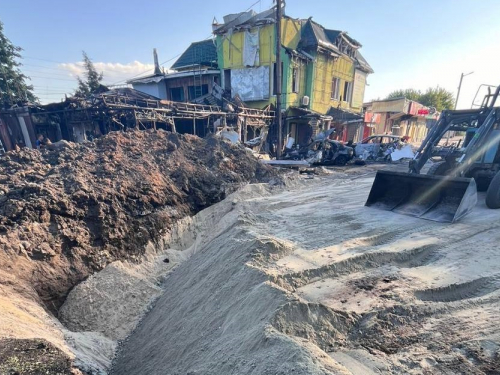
(309, 281)
(69, 210)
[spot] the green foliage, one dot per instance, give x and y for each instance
(410, 94)
(92, 84)
(438, 97)
(13, 86)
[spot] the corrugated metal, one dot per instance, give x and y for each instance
(198, 53)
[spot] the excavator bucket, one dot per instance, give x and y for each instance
(438, 198)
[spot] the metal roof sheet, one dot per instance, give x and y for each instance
(198, 53)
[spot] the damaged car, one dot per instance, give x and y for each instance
(322, 151)
(376, 146)
(328, 152)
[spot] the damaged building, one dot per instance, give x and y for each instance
(225, 82)
(324, 74)
(81, 120)
(399, 116)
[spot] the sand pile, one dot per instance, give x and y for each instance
(214, 314)
(309, 281)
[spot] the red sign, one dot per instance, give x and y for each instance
(372, 117)
(423, 111)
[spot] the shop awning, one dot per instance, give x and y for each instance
(344, 117)
(400, 116)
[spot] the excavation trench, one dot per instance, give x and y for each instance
(69, 211)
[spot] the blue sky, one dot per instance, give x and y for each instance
(413, 44)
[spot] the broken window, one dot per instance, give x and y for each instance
(347, 91)
(295, 79)
(227, 80)
(177, 94)
(335, 88)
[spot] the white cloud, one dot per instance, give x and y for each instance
(113, 72)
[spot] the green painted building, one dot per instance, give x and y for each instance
(324, 74)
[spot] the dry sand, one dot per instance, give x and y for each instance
(309, 281)
(302, 280)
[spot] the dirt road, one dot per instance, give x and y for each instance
(309, 281)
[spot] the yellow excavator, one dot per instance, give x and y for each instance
(449, 189)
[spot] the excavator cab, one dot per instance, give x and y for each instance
(448, 191)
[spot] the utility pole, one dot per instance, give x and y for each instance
(460, 86)
(278, 77)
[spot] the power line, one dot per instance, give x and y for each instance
(166, 61)
(58, 79)
(52, 93)
(106, 72)
(27, 72)
(51, 87)
(36, 58)
(114, 72)
(45, 67)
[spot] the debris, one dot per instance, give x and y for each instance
(404, 152)
(287, 163)
(230, 135)
(320, 151)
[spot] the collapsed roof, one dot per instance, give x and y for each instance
(244, 20)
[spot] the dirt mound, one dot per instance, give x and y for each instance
(67, 211)
(33, 357)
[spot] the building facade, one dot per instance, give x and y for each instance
(324, 74)
(399, 116)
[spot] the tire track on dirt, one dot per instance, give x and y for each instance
(415, 257)
(359, 263)
(457, 292)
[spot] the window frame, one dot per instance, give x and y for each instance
(335, 89)
(295, 79)
(347, 97)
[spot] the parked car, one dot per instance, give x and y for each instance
(376, 145)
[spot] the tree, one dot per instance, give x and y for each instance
(438, 97)
(92, 84)
(410, 94)
(13, 86)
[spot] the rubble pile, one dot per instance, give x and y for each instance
(67, 211)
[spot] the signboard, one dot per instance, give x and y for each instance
(397, 105)
(372, 117)
(358, 92)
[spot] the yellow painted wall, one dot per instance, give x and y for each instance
(290, 32)
(325, 69)
(232, 46)
(232, 56)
